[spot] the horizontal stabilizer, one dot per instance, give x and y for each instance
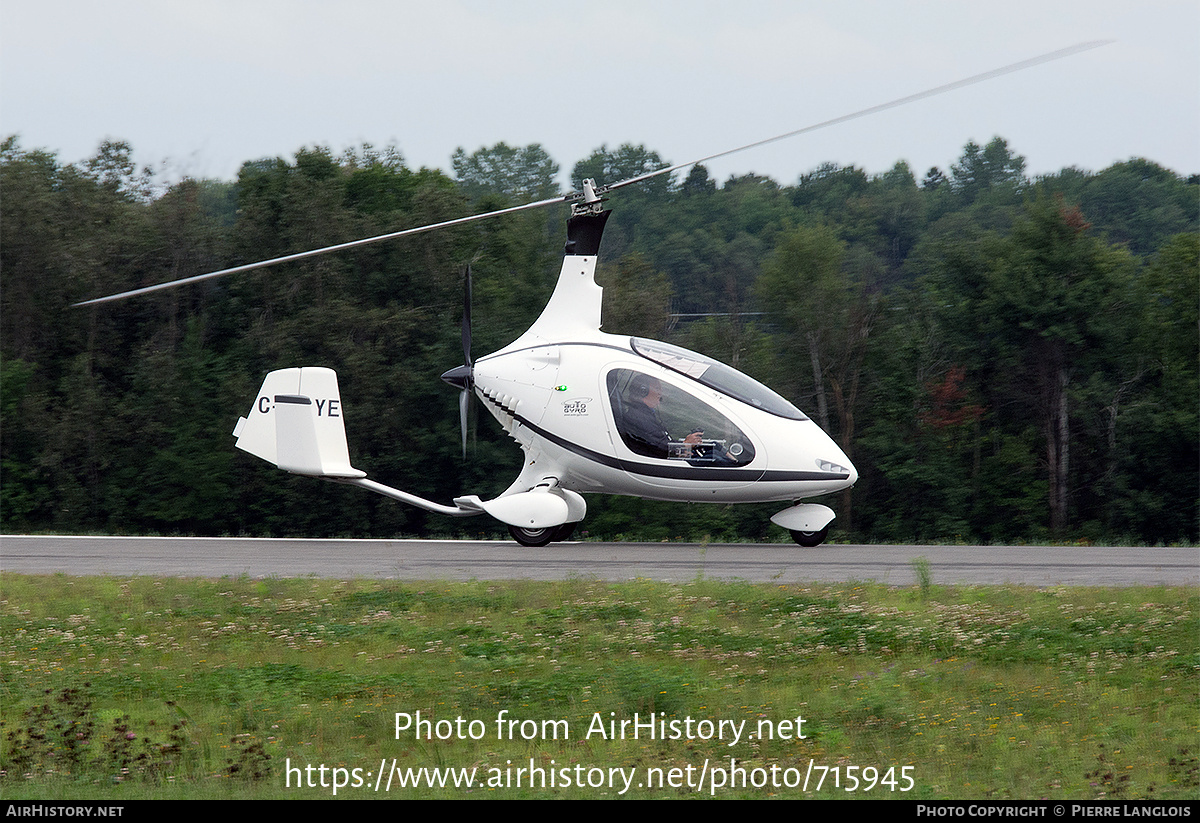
(296, 423)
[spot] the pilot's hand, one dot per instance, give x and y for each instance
(695, 438)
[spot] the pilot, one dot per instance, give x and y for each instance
(642, 426)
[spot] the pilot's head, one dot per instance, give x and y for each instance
(646, 390)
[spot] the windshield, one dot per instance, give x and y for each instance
(716, 375)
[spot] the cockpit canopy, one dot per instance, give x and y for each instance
(716, 375)
(656, 419)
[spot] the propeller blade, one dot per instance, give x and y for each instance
(592, 195)
(466, 319)
(467, 370)
(464, 406)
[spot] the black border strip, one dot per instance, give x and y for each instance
(674, 472)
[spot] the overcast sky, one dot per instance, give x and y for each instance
(199, 87)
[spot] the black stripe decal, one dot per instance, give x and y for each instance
(675, 472)
(293, 398)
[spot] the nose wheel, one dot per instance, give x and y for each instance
(542, 537)
(810, 539)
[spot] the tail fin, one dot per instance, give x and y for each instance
(296, 423)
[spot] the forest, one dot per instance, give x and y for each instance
(1006, 359)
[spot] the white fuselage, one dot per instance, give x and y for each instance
(562, 387)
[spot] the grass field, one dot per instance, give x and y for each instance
(130, 688)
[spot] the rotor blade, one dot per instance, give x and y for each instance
(328, 249)
(573, 196)
(900, 101)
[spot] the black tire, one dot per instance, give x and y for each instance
(810, 539)
(564, 532)
(533, 537)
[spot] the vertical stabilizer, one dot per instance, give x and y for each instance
(296, 423)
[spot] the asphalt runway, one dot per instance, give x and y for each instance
(217, 557)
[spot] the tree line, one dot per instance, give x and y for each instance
(1004, 358)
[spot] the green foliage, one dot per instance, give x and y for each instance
(625, 162)
(1140, 205)
(21, 493)
(992, 170)
(824, 296)
(637, 299)
(959, 338)
(518, 175)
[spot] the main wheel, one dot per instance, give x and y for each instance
(533, 537)
(564, 532)
(810, 539)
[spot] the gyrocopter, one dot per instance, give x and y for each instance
(592, 412)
